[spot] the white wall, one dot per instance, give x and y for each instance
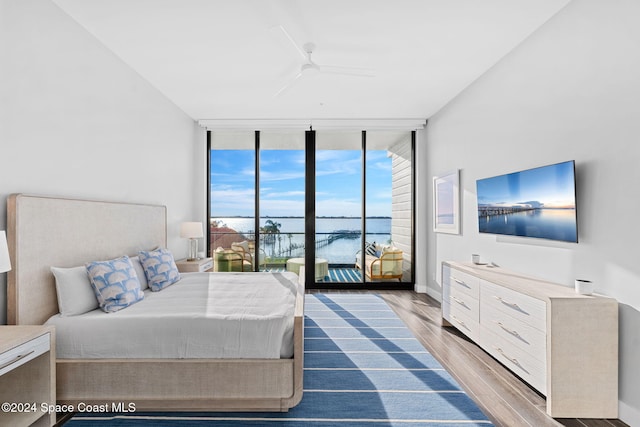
(76, 121)
(571, 91)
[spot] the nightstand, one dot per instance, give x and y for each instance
(27, 375)
(195, 266)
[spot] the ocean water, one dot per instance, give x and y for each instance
(554, 224)
(291, 238)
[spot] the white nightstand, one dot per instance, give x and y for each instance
(27, 375)
(195, 266)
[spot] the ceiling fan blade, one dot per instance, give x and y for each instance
(348, 71)
(286, 37)
(288, 85)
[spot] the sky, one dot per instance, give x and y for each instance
(338, 183)
(551, 185)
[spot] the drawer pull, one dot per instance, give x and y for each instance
(460, 282)
(459, 321)
(459, 301)
(510, 359)
(511, 331)
(16, 359)
(510, 304)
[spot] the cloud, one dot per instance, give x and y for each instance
(380, 166)
(265, 194)
(268, 176)
(281, 207)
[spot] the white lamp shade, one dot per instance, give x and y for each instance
(191, 230)
(5, 261)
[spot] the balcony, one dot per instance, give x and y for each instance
(339, 247)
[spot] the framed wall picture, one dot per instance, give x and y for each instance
(446, 203)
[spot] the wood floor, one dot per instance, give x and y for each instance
(506, 400)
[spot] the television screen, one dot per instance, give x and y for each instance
(539, 202)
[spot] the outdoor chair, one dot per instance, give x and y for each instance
(382, 264)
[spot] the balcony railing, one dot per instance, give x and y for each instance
(338, 247)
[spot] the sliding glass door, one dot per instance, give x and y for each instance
(232, 190)
(281, 181)
(361, 209)
(339, 204)
(389, 205)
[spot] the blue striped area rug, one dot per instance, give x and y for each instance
(343, 275)
(363, 368)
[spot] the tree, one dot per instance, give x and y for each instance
(270, 230)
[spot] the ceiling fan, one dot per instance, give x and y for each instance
(309, 67)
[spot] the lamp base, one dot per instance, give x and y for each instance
(193, 250)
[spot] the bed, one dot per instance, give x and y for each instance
(47, 231)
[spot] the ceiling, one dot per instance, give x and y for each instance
(227, 59)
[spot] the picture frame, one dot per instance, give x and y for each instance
(446, 203)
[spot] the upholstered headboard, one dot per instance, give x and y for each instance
(48, 231)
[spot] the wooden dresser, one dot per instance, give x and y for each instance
(563, 344)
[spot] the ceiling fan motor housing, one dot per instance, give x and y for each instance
(309, 68)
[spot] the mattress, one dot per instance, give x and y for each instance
(204, 315)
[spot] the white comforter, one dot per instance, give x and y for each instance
(204, 315)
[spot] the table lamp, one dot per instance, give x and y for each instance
(192, 231)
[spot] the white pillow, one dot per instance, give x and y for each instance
(75, 294)
(137, 266)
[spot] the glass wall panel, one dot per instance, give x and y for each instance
(338, 206)
(389, 193)
(258, 214)
(232, 195)
(282, 210)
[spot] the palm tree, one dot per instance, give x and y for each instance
(270, 230)
(273, 227)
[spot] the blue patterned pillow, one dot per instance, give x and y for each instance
(115, 283)
(160, 268)
(370, 248)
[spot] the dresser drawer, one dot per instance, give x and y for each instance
(195, 266)
(466, 303)
(23, 353)
(531, 340)
(518, 361)
(460, 319)
(529, 310)
(464, 282)
(208, 265)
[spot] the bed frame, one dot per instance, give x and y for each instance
(48, 231)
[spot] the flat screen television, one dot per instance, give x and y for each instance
(539, 202)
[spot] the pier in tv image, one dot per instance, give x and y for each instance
(539, 202)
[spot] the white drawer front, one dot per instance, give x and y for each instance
(446, 282)
(531, 340)
(207, 266)
(21, 354)
(459, 318)
(466, 303)
(522, 307)
(519, 362)
(465, 283)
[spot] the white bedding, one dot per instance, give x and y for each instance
(204, 315)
